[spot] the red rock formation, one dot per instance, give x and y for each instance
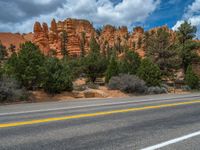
(52, 38)
(40, 38)
(12, 38)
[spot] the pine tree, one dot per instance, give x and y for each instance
(82, 46)
(130, 63)
(64, 51)
(191, 78)
(149, 72)
(95, 64)
(113, 69)
(162, 51)
(187, 47)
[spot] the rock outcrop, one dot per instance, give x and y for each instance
(52, 38)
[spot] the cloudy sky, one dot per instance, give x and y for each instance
(20, 15)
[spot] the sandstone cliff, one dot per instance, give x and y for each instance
(52, 38)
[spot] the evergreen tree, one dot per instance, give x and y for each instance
(27, 66)
(130, 63)
(139, 43)
(83, 41)
(187, 47)
(3, 52)
(112, 69)
(162, 51)
(95, 64)
(64, 44)
(57, 76)
(191, 78)
(149, 72)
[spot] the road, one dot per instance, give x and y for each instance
(166, 122)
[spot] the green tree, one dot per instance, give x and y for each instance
(57, 76)
(27, 66)
(139, 43)
(191, 78)
(64, 44)
(149, 72)
(130, 63)
(3, 52)
(162, 51)
(82, 46)
(95, 63)
(187, 47)
(113, 69)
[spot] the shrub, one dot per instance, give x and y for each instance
(27, 66)
(150, 73)
(112, 69)
(156, 90)
(191, 78)
(130, 63)
(11, 91)
(127, 83)
(95, 64)
(57, 76)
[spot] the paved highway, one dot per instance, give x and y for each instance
(164, 122)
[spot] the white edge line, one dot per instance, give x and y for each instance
(173, 141)
(97, 105)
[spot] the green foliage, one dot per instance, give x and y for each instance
(77, 66)
(113, 69)
(82, 46)
(150, 73)
(95, 64)
(127, 83)
(57, 76)
(139, 43)
(27, 67)
(130, 63)
(63, 44)
(94, 46)
(186, 32)
(3, 52)
(187, 47)
(162, 51)
(191, 78)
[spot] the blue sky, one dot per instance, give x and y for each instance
(168, 13)
(145, 13)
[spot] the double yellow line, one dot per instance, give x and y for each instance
(31, 122)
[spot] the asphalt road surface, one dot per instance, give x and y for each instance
(167, 122)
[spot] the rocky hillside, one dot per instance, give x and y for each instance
(78, 34)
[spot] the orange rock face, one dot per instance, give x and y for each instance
(9, 38)
(78, 35)
(52, 38)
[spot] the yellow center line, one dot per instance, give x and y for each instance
(31, 122)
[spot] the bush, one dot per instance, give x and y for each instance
(130, 63)
(191, 78)
(11, 91)
(27, 66)
(127, 83)
(112, 69)
(150, 73)
(156, 90)
(95, 66)
(57, 76)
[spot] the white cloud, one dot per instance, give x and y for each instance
(99, 12)
(192, 15)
